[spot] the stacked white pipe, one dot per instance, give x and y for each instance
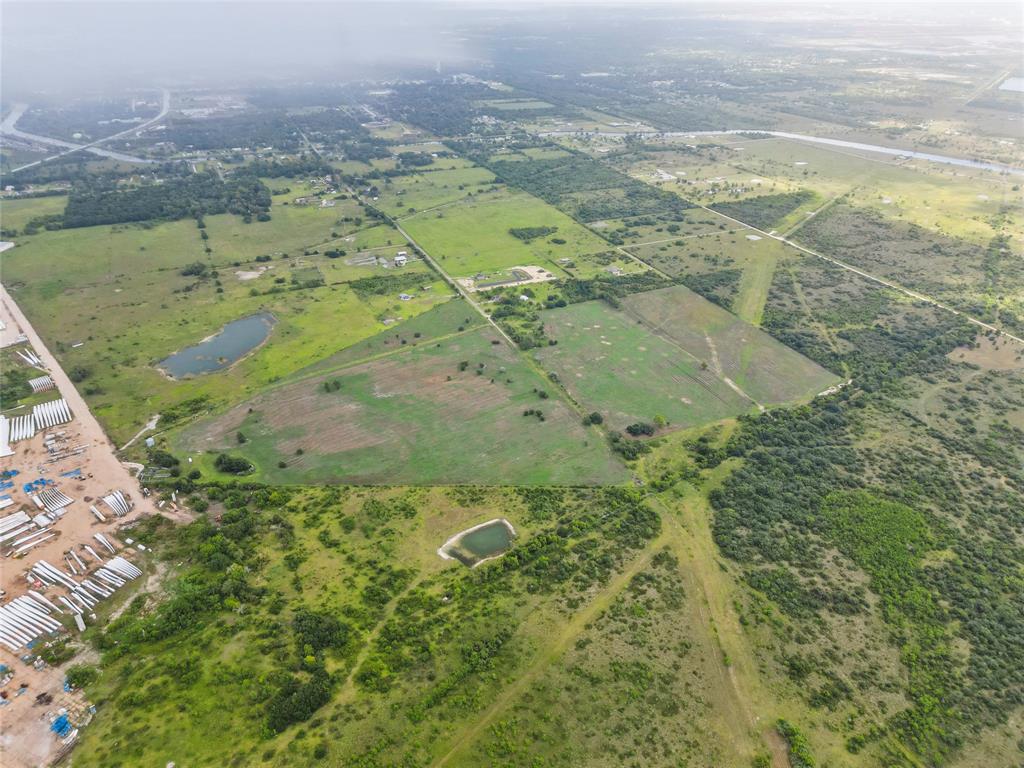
(22, 428)
(41, 384)
(84, 594)
(30, 357)
(51, 414)
(118, 504)
(5, 437)
(25, 619)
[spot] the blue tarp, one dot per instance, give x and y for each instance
(40, 483)
(61, 726)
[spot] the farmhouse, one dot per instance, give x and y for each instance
(401, 258)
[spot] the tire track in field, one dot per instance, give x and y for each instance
(560, 643)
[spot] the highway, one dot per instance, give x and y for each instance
(891, 151)
(9, 128)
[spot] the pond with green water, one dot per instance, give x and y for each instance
(479, 543)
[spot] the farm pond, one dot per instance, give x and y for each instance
(233, 342)
(479, 543)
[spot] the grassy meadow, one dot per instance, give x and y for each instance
(427, 413)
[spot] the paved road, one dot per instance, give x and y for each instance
(8, 127)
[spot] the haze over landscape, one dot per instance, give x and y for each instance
(511, 384)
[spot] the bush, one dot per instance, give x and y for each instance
(296, 701)
(319, 630)
(79, 373)
(81, 675)
(640, 428)
(195, 269)
(232, 465)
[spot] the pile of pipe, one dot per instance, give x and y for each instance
(85, 594)
(51, 414)
(52, 500)
(41, 384)
(30, 357)
(25, 619)
(22, 428)
(19, 533)
(118, 503)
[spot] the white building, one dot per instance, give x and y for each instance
(401, 258)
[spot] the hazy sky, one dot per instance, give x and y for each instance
(73, 47)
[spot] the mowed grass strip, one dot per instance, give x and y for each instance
(765, 368)
(451, 412)
(617, 366)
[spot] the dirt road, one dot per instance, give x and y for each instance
(101, 471)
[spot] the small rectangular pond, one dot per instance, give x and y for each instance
(480, 543)
(234, 341)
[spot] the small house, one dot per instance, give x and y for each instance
(401, 258)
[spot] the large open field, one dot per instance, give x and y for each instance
(672, 353)
(125, 306)
(733, 268)
(473, 236)
(447, 411)
(767, 370)
(619, 368)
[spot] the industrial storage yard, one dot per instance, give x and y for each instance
(67, 505)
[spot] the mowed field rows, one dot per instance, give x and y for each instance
(448, 412)
(671, 353)
(614, 365)
(766, 369)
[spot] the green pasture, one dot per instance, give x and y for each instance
(424, 190)
(618, 367)
(120, 293)
(765, 369)
(418, 416)
(728, 265)
(473, 236)
(15, 212)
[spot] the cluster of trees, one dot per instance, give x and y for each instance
(14, 383)
(194, 195)
(414, 159)
(806, 487)
(720, 287)
(526, 234)
(291, 167)
(445, 109)
(641, 429)
(800, 755)
(764, 211)
(579, 185)
(195, 269)
(391, 283)
(626, 448)
(232, 465)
